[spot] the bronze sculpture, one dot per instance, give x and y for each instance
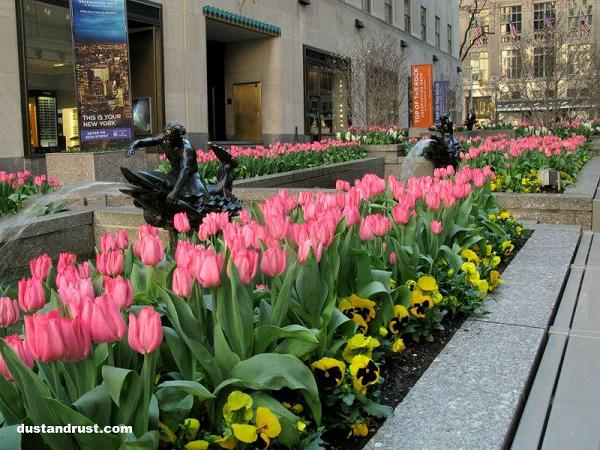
(162, 195)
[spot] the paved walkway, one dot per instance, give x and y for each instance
(562, 410)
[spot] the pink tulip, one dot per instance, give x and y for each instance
(181, 222)
(352, 215)
(208, 273)
(273, 262)
(107, 243)
(84, 270)
(401, 214)
(9, 312)
(374, 225)
(20, 348)
(32, 295)
(40, 266)
(65, 260)
(305, 247)
(122, 239)
(393, 258)
(120, 290)
(145, 331)
(51, 337)
(182, 282)
(436, 226)
(246, 263)
(149, 248)
(104, 320)
(278, 226)
(110, 263)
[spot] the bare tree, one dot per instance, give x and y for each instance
(553, 72)
(474, 31)
(375, 66)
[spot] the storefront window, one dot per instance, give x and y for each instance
(51, 101)
(327, 96)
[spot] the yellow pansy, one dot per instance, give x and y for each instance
(300, 426)
(400, 319)
(244, 432)
(495, 260)
(359, 429)
(494, 279)
(197, 445)
(357, 305)
(361, 325)
(488, 249)
(492, 217)
(191, 428)
(519, 229)
(359, 344)
(329, 372)
(267, 424)
(427, 283)
(437, 298)
(238, 408)
(419, 304)
(166, 435)
(470, 256)
(504, 215)
(483, 286)
(411, 284)
(468, 267)
(227, 442)
(398, 346)
(383, 332)
(364, 372)
(507, 247)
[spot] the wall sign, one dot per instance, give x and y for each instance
(422, 92)
(102, 73)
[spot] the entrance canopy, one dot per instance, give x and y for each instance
(227, 26)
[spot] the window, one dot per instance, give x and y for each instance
(423, 24)
(366, 6)
(543, 62)
(479, 66)
(450, 43)
(580, 16)
(438, 38)
(544, 17)
(389, 11)
(407, 20)
(578, 59)
(511, 63)
(511, 23)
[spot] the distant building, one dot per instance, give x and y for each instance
(512, 70)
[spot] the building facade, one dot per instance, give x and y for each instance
(230, 70)
(529, 58)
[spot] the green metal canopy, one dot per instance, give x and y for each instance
(245, 22)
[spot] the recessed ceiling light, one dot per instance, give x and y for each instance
(58, 65)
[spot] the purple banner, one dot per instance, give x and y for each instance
(102, 73)
(441, 99)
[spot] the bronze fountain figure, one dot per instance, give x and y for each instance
(162, 195)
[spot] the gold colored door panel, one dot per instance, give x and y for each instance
(247, 111)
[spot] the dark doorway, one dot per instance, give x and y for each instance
(215, 69)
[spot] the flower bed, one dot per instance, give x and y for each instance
(375, 135)
(517, 162)
(15, 188)
(263, 330)
(277, 158)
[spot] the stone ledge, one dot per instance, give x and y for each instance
(473, 391)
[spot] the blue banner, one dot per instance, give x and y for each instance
(101, 56)
(441, 99)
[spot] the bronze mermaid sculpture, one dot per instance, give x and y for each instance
(162, 195)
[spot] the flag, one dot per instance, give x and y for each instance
(478, 34)
(514, 33)
(585, 24)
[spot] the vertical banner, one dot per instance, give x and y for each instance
(102, 73)
(422, 92)
(441, 98)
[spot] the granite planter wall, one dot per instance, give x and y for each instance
(395, 158)
(74, 168)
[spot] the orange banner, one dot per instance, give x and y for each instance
(422, 96)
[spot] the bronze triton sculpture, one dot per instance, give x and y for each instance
(162, 195)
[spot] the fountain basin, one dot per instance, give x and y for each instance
(83, 167)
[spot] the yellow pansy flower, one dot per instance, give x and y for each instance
(191, 428)
(197, 445)
(400, 319)
(483, 286)
(361, 325)
(227, 442)
(357, 305)
(359, 344)
(244, 432)
(329, 372)
(427, 283)
(398, 346)
(470, 256)
(359, 429)
(383, 332)
(238, 408)
(364, 372)
(166, 435)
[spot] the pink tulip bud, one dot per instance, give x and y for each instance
(208, 272)
(110, 263)
(9, 312)
(40, 266)
(120, 290)
(181, 222)
(65, 260)
(436, 226)
(401, 214)
(145, 331)
(32, 295)
(246, 263)
(273, 262)
(107, 243)
(104, 320)
(182, 282)
(393, 258)
(19, 347)
(51, 337)
(150, 249)
(122, 239)
(84, 270)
